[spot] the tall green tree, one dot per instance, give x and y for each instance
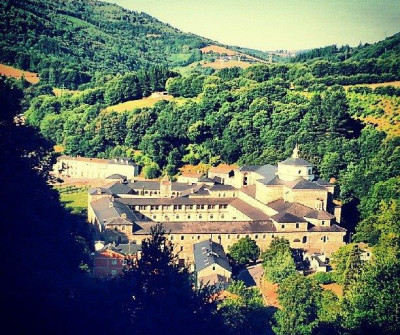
(244, 251)
(278, 262)
(300, 298)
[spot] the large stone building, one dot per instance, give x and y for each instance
(84, 167)
(262, 202)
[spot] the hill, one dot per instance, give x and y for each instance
(71, 42)
(388, 48)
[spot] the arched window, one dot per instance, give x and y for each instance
(296, 240)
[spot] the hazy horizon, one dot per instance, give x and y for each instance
(278, 24)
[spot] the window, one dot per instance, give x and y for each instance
(114, 262)
(198, 237)
(200, 216)
(234, 218)
(256, 236)
(211, 216)
(172, 237)
(154, 216)
(211, 206)
(272, 236)
(177, 216)
(264, 237)
(323, 223)
(181, 248)
(229, 236)
(222, 216)
(182, 237)
(189, 206)
(299, 171)
(283, 226)
(114, 272)
(304, 239)
(297, 225)
(123, 227)
(324, 239)
(188, 216)
(213, 268)
(238, 236)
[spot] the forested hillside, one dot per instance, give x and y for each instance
(68, 42)
(72, 42)
(245, 116)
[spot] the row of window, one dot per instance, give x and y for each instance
(188, 217)
(178, 207)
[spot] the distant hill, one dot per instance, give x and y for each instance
(69, 41)
(386, 48)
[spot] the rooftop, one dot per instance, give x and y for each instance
(207, 253)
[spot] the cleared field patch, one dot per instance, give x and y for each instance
(228, 64)
(13, 72)
(141, 103)
(334, 287)
(221, 50)
(61, 91)
(218, 50)
(389, 83)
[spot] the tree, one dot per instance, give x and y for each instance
(300, 298)
(278, 262)
(347, 263)
(244, 251)
(161, 297)
(243, 311)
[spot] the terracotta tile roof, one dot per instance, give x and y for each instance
(192, 174)
(174, 201)
(250, 211)
(210, 227)
(223, 168)
(286, 218)
(249, 190)
(332, 228)
(299, 210)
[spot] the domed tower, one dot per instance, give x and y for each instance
(165, 187)
(295, 167)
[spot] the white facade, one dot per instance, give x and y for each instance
(96, 168)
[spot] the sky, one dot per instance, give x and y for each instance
(278, 24)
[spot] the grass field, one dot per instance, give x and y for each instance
(13, 72)
(73, 198)
(141, 103)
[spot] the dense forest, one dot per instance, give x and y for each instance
(244, 116)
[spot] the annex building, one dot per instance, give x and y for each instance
(94, 168)
(259, 201)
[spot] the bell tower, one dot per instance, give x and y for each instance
(165, 187)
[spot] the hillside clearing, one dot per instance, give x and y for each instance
(13, 72)
(381, 111)
(221, 50)
(373, 86)
(137, 104)
(217, 65)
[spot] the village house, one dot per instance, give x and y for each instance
(262, 202)
(110, 260)
(94, 168)
(211, 265)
